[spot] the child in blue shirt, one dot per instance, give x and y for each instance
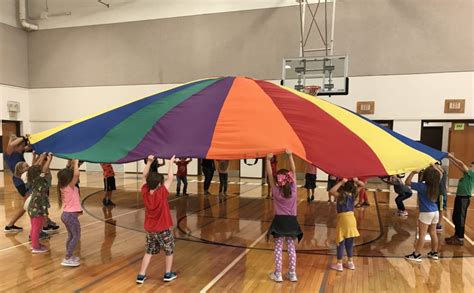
(428, 192)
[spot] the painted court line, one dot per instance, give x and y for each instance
(231, 265)
(65, 231)
(452, 225)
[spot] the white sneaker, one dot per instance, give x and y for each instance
(276, 277)
(71, 262)
(291, 276)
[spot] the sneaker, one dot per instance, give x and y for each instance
(43, 236)
(454, 241)
(413, 257)
(71, 262)
(439, 228)
(141, 279)
(41, 249)
(433, 255)
(276, 277)
(349, 265)
(50, 229)
(51, 223)
(105, 202)
(337, 267)
(403, 213)
(170, 276)
(177, 194)
(312, 197)
(291, 276)
(76, 258)
(358, 205)
(185, 194)
(110, 203)
(366, 204)
(12, 229)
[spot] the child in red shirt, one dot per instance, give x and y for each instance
(157, 220)
(181, 175)
(109, 184)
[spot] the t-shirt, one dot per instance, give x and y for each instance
(108, 170)
(157, 210)
(11, 161)
(182, 168)
(311, 169)
(345, 206)
(223, 166)
(208, 164)
(283, 205)
(465, 185)
(424, 203)
(71, 199)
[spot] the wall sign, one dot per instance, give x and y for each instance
(458, 126)
(454, 106)
(366, 107)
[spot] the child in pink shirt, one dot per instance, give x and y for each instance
(285, 225)
(69, 199)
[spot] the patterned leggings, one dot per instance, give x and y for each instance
(71, 220)
(290, 244)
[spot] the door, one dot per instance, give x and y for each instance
(461, 143)
(432, 137)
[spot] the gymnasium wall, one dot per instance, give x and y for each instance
(381, 37)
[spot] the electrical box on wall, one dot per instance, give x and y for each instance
(13, 107)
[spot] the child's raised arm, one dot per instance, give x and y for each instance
(269, 171)
(46, 165)
(75, 177)
(334, 191)
(458, 163)
(13, 142)
(169, 179)
(146, 170)
(292, 162)
(409, 178)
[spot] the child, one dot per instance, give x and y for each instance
(332, 180)
(345, 193)
(155, 165)
(39, 180)
(223, 169)
(157, 220)
(208, 168)
(285, 225)
(461, 201)
(403, 192)
(274, 163)
(310, 181)
(428, 192)
(68, 197)
(109, 184)
(363, 199)
(12, 155)
(181, 175)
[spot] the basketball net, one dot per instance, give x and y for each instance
(312, 90)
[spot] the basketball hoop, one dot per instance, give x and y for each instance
(312, 90)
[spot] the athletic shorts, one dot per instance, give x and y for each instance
(310, 181)
(109, 184)
(159, 240)
(429, 218)
(22, 190)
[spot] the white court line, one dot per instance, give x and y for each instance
(236, 260)
(465, 236)
(231, 265)
(82, 226)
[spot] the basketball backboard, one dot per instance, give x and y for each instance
(329, 72)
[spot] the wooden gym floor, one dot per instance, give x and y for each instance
(221, 246)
